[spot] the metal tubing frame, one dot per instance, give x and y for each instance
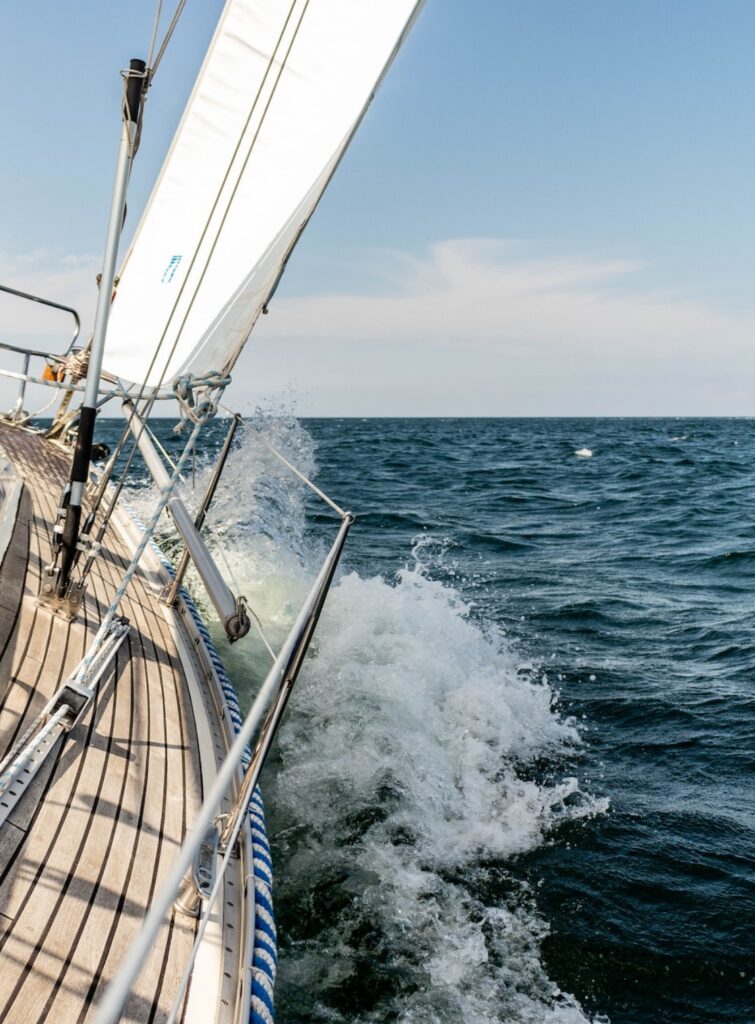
(229, 608)
(17, 411)
(274, 715)
(43, 302)
(286, 663)
(28, 378)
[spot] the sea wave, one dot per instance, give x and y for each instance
(395, 789)
(397, 785)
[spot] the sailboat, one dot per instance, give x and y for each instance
(135, 870)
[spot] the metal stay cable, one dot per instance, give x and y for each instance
(207, 913)
(140, 397)
(102, 486)
(219, 192)
(297, 472)
(154, 64)
(159, 445)
(105, 479)
(306, 480)
(133, 565)
(122, 984)
(155, 27)
(153, 59)
(149, 401)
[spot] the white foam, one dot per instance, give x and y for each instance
(396, 777)
(410, 708)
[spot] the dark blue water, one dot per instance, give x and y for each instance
(631, 575)
(624, 582)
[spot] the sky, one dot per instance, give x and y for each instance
(547, 211)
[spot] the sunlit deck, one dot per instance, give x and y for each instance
(86, 848)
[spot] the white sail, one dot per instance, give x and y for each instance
(282, 89)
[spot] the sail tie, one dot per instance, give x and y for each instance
(193, 396)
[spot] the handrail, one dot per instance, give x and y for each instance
(17, 413)
(42, 302)
(28, 378)
(285, 667)
(38, 353)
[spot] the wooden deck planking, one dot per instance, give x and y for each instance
(12, 582)
(115, 805)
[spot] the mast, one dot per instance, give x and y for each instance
(135, 85)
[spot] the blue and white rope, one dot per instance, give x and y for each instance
(264, 951)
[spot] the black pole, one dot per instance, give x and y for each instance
(82, 457)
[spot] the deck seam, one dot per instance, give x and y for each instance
(141, 711)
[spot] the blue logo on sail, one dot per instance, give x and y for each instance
(170, 270)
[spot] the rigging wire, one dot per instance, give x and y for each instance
(253, 614)
(223, 183)
(44, 408)
(143, 387)
(297, 472)
(150, 400)
(155, 27)
(305, 480)
(166, 455)
(154, 64)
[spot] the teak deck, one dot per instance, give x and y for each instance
(83, 853)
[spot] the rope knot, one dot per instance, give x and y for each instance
(198, 397)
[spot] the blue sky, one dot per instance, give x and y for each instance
(547, 210)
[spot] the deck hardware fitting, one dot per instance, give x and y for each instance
(199, 880)
(67, 607)
(65, 710)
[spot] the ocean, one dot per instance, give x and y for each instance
(515, 780)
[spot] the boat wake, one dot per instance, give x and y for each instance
(403, 781)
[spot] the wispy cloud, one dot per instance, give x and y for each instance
(470, 326)
(485, 291)
(68, 278)
(482, 326)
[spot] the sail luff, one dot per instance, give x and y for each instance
(282, 90)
